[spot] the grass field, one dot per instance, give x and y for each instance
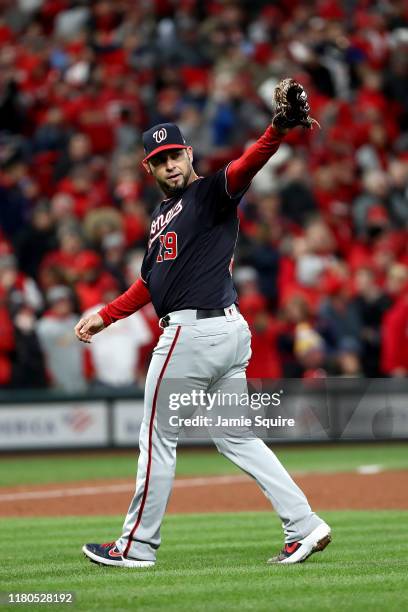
(46, 469)
(214, 563)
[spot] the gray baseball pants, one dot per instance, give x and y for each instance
(210, 354)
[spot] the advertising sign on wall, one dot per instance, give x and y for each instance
(75, 424)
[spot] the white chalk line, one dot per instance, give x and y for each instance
(370, 469)
(183, 483)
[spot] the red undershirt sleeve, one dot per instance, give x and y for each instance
(241, 171)
(126, 304)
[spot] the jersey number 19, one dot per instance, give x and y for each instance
(168, 247)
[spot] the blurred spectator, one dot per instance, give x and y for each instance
(52, 134)
(396, 281)
(315, 253)
(63, 353)
(381, 205)
(28, 363)
(114, 250)
(309, 349)
(297, 201)
(62, 209)
(394, 354)
(263, 256)
(371, 303)
(100, 223)
(338, 318)
(115, 353)
(375, 197)
(127, 135)
(15, 198)
(77, 153)
(398, 175)
(36, 240)
(79, 185)
(17, 286)
(92, 280)
(7, 341)
(59, 266)
(348, 362)
(10, 103)
(295, 312)
(265, 361)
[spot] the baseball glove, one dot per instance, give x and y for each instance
(291, 106)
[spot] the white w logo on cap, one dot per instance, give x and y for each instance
(160, 135)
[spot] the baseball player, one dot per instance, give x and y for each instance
(206, 342)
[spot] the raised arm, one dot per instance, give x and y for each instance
(123, 306)
(291, 108)
(241, 171)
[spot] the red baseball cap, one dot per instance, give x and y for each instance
(87, 260)
(377, 213)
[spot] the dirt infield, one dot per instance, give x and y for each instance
(340, 491)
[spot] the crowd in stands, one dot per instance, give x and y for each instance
(321, 266)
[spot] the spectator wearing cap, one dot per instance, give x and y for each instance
(17, 286)
(338, 317)
(378, 252)
(59, 266)
(92, 279)
(63, 355)
(377, 221)
(375, 193)
(80, 186)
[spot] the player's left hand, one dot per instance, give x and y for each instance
(291, 106)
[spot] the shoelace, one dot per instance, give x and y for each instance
(107, 544)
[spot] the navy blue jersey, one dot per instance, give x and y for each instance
(188, 259)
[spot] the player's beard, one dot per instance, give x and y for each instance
(171, 191)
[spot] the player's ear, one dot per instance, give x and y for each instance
(147, 168)
(190, 153)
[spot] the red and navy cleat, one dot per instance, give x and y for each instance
(109, 554)
(297, 552)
